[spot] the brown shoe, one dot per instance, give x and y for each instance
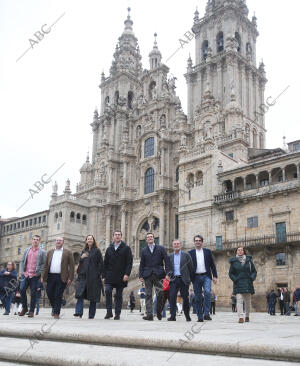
(55, 316)
(241, 320)
(31, 314)
(23, 312)
(247, 319)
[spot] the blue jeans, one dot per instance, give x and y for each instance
(79, 308)
(38, 300)
(32, 282)
(202, 282)
(6, 301)
(118, 299)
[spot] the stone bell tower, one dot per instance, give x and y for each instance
(225, 65)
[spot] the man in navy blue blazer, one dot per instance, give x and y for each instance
(205, 273)
(154, 266)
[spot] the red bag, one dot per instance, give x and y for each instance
(166, 285)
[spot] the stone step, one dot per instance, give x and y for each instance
(51, 353)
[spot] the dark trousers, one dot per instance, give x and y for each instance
(79, 308)
(6, 301)
(118, 299)
(176, 285)
(150, 282)
(55, 290)
(272, 309)
(281, 305)
(166, 296)
(287, 310)
(213, 308)
(25, 282)
(202, 282)
(233, 308)
(38, 300)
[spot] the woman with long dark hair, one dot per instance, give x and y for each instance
(243, 273)
(8, 284)
(89, 282)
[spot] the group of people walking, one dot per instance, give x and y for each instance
(96, 276)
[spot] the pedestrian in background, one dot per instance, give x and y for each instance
(131, 301)
(243, 273)
(142, 295)
(213, 303)
(8, 283)
(272, 302)
(286, 301)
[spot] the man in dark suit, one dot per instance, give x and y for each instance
(154, 265)
(205, 273)
(182, 269)
(58, 273)
(117, 268)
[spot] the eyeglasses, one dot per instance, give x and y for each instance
(199, 241)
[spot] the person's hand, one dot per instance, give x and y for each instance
(215, 280)
(7, 273)
(42, 280)
(167, 278)
(141, 279)
(103, 281)
(125, 278)
(69, 282)
(84, 255)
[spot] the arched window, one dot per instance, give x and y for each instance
(220, 42)
(239, 41)
(149, 147)
(107, 100)
(84, 219)
(78, 217)
(72, 216)
(60, 214)
(199, 178)
(204, 49)
(190, 181)
(55, 218)
(138, 131)
(130, 99)
(152, 86)
(116, 97)
(248, 48)
(177, 175)
(149, 181)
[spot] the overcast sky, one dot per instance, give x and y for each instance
(49, 95)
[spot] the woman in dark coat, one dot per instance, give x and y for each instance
(242, 272)
(8, 283)
(89, 282)
(272, 302)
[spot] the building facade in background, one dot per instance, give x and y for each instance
(153, 168)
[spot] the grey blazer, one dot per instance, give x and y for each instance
(186, 267)
(40, 263)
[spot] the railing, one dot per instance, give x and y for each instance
(225, 197)
(257, 241)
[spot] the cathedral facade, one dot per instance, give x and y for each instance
(154, 168)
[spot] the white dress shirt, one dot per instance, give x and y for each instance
(55, 266)
(200, 261)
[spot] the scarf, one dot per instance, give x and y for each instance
(241, 258)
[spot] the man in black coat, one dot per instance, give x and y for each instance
(117, 269)
(154, 265)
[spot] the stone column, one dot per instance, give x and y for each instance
(270, 176)
(124, 174)
(283, 174)
(162, 221)
(298, 171)
(257, 181)
(107, 230)
(123, 224)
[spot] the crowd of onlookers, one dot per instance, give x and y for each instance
(286, 300)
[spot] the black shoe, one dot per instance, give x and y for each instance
(207, 317)
(148, 317)
(76, 314)
(91, 317)
(159, 317)
(188, 318)
(108, 315)
(172, 319)
(200, 320)
(6, 313)
(117, 317)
